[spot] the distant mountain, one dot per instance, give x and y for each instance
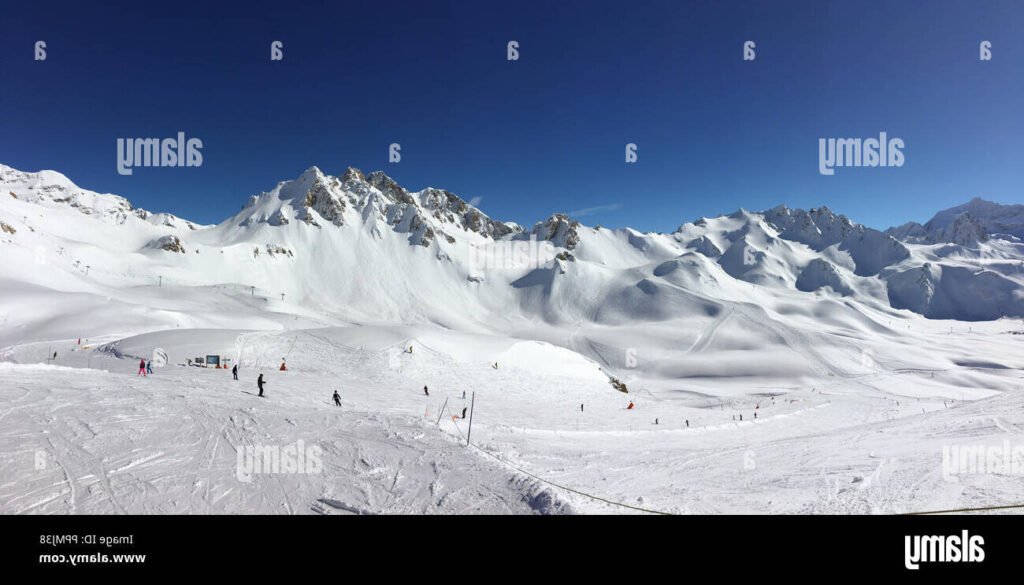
(362, 248)
(968, 224)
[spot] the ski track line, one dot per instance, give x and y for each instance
(708, 334)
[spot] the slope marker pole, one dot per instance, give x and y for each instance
(441, 413)
(472, 405)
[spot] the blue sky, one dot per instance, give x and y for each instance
(543, 134)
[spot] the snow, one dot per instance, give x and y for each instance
(862, 356)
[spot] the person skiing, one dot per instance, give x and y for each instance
(234, 371)
(142, 368)
(259, 384)
(755, 414)
(630, 407)
(463, 394)
(463, 412)
(425, 391)
(337, 398)
(54, 356)
(284, 368)
(655, 421)
(581, 407)
(687, 423)
(149, 367)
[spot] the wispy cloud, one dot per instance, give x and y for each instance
(475, 202)
(595, 210)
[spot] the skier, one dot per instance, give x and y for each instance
(284, 368)
(259, 383)
(54, 356)
(463, 394)
(630, 407)
(581, 407)
(463, 412)
(149, 367)
(655, 421)
(142, 368)
(741, 418)
(755, 414)
(234, 371)
(337, 398)
(687, 423)
(425, 391)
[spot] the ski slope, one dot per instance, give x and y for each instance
(114, 442)
(794, 361)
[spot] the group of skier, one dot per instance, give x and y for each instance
(145, 368)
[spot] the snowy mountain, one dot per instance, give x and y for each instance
(361, 248)
(966, 225)
(809, 324)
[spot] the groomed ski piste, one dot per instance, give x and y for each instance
(749, 394)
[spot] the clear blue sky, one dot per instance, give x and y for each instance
(543, 134)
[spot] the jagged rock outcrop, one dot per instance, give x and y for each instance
(168, 244)
(558, 229)
(820, 228)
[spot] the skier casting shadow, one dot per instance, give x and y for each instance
(259, 384)
(337, 398)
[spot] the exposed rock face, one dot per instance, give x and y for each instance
(428, 216)
(558, 229)
(168, 244)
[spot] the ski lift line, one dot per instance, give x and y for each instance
(290, 347)
(553, 484)
(956, 510)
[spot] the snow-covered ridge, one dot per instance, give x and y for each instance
(317, 199)
(50, 188)
(968, 224)
(361, 246)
